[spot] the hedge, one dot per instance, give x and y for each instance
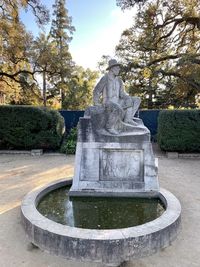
(27, 127)
(179, 130)
(69, 142)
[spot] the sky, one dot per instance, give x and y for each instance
(98, 23)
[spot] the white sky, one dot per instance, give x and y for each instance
(99, 25)
(104, 42)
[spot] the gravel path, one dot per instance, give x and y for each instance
(21, 173)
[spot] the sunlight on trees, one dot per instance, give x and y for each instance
(160, 55)
(25, 59)
(161, 52)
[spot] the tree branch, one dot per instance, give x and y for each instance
(39, 11)
(195, 21)
(14, 76)
(186, 79)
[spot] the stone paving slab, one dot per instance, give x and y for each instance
(21, 173)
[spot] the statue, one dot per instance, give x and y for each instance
(114, 153)
(118, 105)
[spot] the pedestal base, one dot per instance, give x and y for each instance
(113, 164)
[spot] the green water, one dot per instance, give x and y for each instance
(98, 212)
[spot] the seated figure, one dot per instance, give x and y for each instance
(117, 103)
(114, 153)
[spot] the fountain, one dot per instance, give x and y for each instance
(114, 210)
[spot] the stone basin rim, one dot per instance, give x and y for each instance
(30, 213)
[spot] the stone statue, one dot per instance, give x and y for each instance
(117, 103)
(114, 154)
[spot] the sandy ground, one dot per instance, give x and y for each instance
(21, 173)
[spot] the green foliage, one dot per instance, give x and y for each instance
(69, 143)
(179, 130)
(103, 63)
(80, 89)
(27, 127)
(129, 3)
(15, 48)
(61, 33)
(22, 55)
(45, 58)
(160, 53)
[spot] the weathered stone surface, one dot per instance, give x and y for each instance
(119, 164)
(114, 153)
(118, 106)
(113, 158)
(172, 155)
(13, 152)
(88, 132)
(189, 155)
(113, 163)
(109, 247)
(36, 152)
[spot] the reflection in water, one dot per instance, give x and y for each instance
(98, 212)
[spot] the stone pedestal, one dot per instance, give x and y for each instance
(110, 165)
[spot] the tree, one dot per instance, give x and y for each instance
(80, 89)
(162, 50)
(130, 3)
(103, 63)
(61, 32)
(15, 40)
(15, 43)
(45, 61)
(30, 93)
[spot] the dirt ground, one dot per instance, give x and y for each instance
(21, 173)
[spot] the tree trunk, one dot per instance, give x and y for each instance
(150, 93)
(44, 89)
(61, 72)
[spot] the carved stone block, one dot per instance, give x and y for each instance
(120, 164)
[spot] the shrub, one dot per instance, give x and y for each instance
(69, 142)
(27, 127)
(179, 130)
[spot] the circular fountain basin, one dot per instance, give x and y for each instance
(108, 241)
(99, 212)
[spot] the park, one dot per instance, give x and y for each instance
(99, 145)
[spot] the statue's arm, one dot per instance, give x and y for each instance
(98, 90)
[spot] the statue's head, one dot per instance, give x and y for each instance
(114, 66)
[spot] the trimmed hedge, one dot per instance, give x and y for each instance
(179, 130)
(27, 127)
